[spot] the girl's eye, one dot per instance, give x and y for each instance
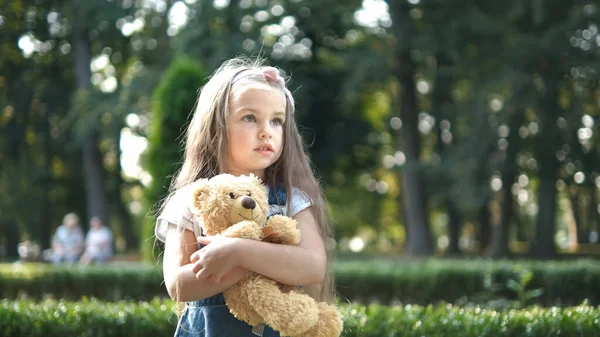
(249, 118)
(278, 121)
(232, 196)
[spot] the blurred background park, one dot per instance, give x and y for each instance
(456, 142)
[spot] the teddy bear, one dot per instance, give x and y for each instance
(237, 206)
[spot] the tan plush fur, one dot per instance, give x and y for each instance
(237, 207)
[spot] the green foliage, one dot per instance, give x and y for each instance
(458, 281)
(43, 120)
(111, 283)
(156, 318)
(350, 209)
(520, 285)
(173, 102)
(481, 68)
(494, 284)
(86, 318)
(447, 320)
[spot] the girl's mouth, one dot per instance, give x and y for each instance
(264, 148)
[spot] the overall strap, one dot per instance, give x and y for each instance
(277, 195)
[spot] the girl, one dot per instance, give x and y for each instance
(243, 123)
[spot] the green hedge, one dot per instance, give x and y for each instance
(112, 283)
(156, 318)
(562, 283)
(447, 320)
(86, 318)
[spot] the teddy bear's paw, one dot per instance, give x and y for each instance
(282, 229)
(244, 229)
(237, 301)
(330, 323)
(292, 314)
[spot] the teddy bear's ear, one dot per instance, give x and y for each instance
(199, 190)
(256, 178)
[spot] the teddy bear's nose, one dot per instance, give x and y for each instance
(248, 203)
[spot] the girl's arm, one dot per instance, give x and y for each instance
(182, 284)
(303, 264)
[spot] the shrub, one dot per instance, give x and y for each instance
(173, 102)
(561, 283)
(505, 283)
(156, 318)
(448, 320)
(86, 318)
(111, 283)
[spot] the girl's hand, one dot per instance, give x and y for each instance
(216, 259)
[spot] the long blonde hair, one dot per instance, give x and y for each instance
(206, 144)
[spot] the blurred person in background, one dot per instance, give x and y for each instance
(28, 251)
(98, 243)
(67, 243)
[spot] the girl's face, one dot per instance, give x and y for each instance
(255, 129)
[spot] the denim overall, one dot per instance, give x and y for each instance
(210, 317)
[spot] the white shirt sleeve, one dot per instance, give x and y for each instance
(299, 202)
(177, 212)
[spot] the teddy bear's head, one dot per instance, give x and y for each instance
(225, 199)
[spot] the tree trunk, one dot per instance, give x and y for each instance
(573, 192)
(521, 228)
(593, 208)
(413, 193)
(441, 104)
(454, 221)
(485, 227)
(93, 169)
(543, 244)
(92, 158)
(10, 230)
(419, 238)
(501, 230)
(45, 222)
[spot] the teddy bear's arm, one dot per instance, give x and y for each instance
(245, 230)
(291, 313)
(282, 229)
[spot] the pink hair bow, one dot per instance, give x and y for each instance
(271, 74)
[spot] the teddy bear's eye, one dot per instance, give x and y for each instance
(248, 193)
(231, 195)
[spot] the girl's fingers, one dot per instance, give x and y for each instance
(205, 239)
(196, 268)
(202, 274)
(195, 256)
(216, 278)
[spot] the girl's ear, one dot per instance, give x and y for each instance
(199, 190)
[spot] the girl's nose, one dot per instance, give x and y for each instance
(265, 134)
